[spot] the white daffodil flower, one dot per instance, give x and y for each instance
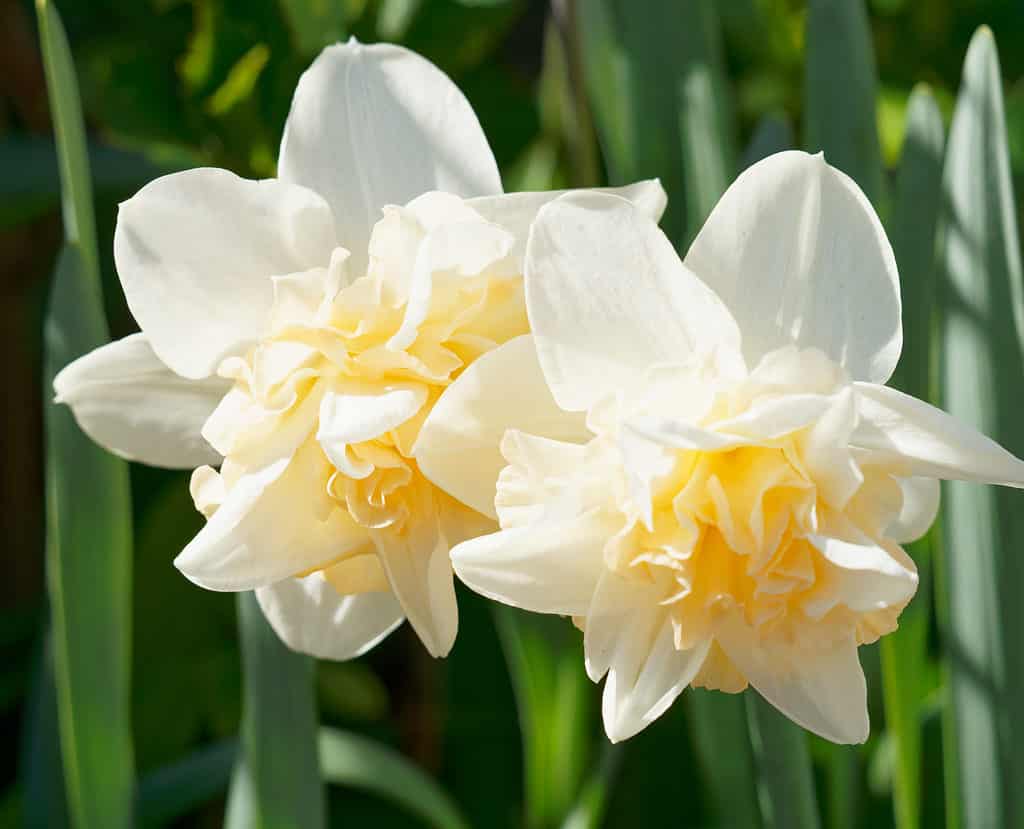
(297, 332)
(703, 466)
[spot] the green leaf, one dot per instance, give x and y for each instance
(840, 91)
(72, 155)
(983, 527)
(171, 792)
(773, 134)
(351, 760)
(315, 23)
(545, 660)
(88, 502)
(589, 811)
(277, 780)
(44, 804)
(785, 779)
(705, 115)
(905, 651)
(722, 740)
(633, 75)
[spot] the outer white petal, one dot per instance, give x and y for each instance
(917, 514)
(376, 125)
(195, 252)
(458, 445)
(608, 298)
(823, 691)
(417, 566)
(311, 617)
(130, 403)
(547, 567)
(929, 442)
(863, 577)
(270, 527)
(516, 211)
(798, 255)
(645, 671)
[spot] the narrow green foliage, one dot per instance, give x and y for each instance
(785, 779)
(351, 760)
(88, 531)
(905, 664)
(545, 661)
(840, 90)
(983, 527)
(705, 115)
(44, 805)
(315, 23)
(773, 134)
(722, 740)
(170, 793)
(277, 780)
(589, 811)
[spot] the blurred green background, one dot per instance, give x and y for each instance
(171, 84)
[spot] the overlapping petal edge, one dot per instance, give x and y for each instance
(296, 332)
(721, 481)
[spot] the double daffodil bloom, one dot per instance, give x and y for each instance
(297, 331)
(699, 462)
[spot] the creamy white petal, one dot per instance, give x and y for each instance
(917, 514)
(863, 577)
(798, 254)
(926, 441)
(271, 526)
(608, 298)
(311, 617)
(766, 420)
(352, 415)
(547, 567)
(646, 672)
(417, 566)
(516, 211)
(195, 252)
(821, 689)
(458, 447)
(130, 403)
(373, 125)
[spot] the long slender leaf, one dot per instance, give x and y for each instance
(840, 91)
(983, 528)
(705, 112)
(88, 541)
(171, 792)
(905, 652)
(351, 760)
(633, 74)
(277, 781)
(552, 691)
(44, 805)
(589, 811)
(785, 778)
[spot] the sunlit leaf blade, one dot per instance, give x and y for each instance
(590, 808)
(722, 740)
(88, 567)
(983, 527)
(905, 652)
(545, 661)
(72, 151)
(785, 780)
(88, 502)
(634, 73)
(705, 113)
(277, 781)
(840, 91)
(170, 793)
(350, 760)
